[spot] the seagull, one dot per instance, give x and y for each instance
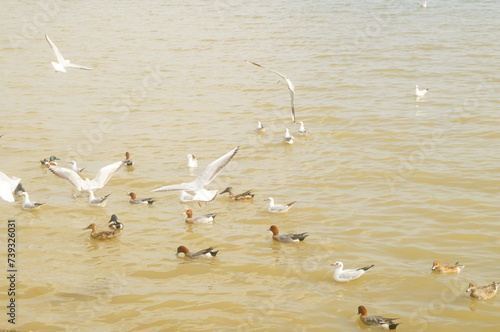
(277, 208)
(8, 186)
(207, 176)
(99, 201)
(75, 167)
(288, 83)
(184, 197)
(192, 161)
(98, 182)
(302, 129)
(341, 275)
(288, 138)
(62, 63)
(260, 128)
(27, 204)
(422, 4)
(420, 93)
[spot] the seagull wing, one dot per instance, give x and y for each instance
(7, 187)
(213, 169)
(58, 54)
(105, 174)
(70, 176)
(182, 186)
(72, 65)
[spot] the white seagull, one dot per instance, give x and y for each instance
(62, 63)
(288, 84)
(207, 176)
(8, 187)
(260, 128)
(99, 201)
(192, 161)
(288, 138)
(75, 167)
(422, 4)
(341, 275)
(27, 204)
(277, 208)
(420, 93)
(302, 129)
(80, 184)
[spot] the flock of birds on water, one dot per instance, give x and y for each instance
(11, 187)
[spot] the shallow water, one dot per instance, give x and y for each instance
(382, 178)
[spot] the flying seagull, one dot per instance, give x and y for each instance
(62, 63)
(288, 83)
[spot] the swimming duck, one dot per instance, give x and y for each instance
(288, 138)
(8, 187)
(192, 161)
(99, 201)
(287, 237)
(204, 219)
(302, 129)
(207, 176)
(385, 323)
(102, 177)
(205, 253)
(240, 197)
(483, 292)
(420, 93)
(27, 204)
(135, 200)
(75, 167)
(260, 128)
(51, 161)
(113, 223)
(127, 160)
(446, 268)
(341, 275)
(104, 235)
(278, 208)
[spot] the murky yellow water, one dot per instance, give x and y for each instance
(381, 179)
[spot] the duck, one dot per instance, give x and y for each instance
(99, 201)
(385, 323)
(135, 200)
(207, 176)
(205, 253)
(302, 130)
(104, 235)
(204, 219)
(102, 177)
(9, 186)
(192, 161)
(287, 237)
(51, 161)
(420, 93)
(260, 127)
(239, 197)
(29, 205)
(288, 139)
(127, 160)
(341, 275)
(277, 208)
(113, 223)
(74, 167)
(446, 268)
(483, 292)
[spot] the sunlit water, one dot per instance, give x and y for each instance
(381, 178)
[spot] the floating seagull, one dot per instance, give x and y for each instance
(207, 176)
(104, 235)
(192, 161)
(61, 64)
(385, 323)
(27, 204)
(288, 139)
(99, 201)
(287, 237)
(420, 93)
(98, 182)
(288, 83)
(8, 186)
(113, 223)
(75, 167)
(260, 128)
(422, 4)
(277, 208)
(205, 253)
(341, 275)
(302, 129)
(135, 200)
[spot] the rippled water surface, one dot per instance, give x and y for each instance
(381, 178)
